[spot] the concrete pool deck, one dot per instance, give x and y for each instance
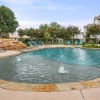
(85, 94)
(9, 53)
(86, 90)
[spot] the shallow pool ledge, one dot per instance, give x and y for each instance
(49, 87)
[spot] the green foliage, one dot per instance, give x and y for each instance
(91, 46)
(47, 35)
(87, 35)
(92, 43)
(55, 25)
(64, 33)
(43, 27)
(27, 44)
(20, 32)
(73, 30)
(92, 29)
(8, 21)
(84, 43)
(25, 41)
(50, 31)
(22, 40)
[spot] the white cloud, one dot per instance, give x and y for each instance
(35, 7)
(68, 7)
(38, 4)
(36, 24)
(79, 23)
(55, 7)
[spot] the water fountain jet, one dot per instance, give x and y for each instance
(62, 70)
(18, 59)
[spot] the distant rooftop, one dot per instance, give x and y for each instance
(97, 18)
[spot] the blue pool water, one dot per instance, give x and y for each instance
(74, 56)
(42, 66)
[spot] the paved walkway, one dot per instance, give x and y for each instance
(86, 94)
(8, 53)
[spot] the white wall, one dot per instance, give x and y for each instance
(97, 21)
(98, 36)
(78, 36)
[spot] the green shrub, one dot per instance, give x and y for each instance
(27, 44)
(91, 46)
(84, 43)
(92, 43)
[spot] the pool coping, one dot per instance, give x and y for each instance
(95, 83)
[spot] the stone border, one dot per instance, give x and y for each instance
(49, 87)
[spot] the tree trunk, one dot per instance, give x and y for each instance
(52, 40)
(37, 40)
(72, 39)
(96, 38)
(46, 41)
(1, 35)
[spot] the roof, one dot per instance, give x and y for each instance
(25, 36)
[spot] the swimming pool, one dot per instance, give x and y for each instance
(42, 66)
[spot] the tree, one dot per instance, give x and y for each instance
(20, 32)
(73, 30)
(8, 22)
(30, 32)
(36, 34)
(93, 29)
(64, 34)
(54, 30)
(44, 27)
(55, 25)
(47, 36)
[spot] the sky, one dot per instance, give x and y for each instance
(33, 13)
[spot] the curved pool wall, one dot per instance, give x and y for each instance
(46, 67)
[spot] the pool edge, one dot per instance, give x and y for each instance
(48, 87)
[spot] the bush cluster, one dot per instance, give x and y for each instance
(92, 45)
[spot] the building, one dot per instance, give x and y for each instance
(14, 36)
(60, 40)
(97, 20)
(79, 36)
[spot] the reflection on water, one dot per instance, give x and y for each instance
(42, 66)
